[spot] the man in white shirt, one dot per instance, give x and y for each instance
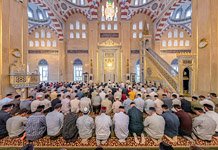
(102, 94)
(121, 122)
(207, 101)
(36, 103)
(139, 102)
(154, 125)
(158, 104)
(74, 104)
(212, 114)
(149, 103)
(103, 123)
(46, 102)
(116, 105)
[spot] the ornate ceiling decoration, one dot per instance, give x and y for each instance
(158, 10)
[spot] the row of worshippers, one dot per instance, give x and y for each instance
(55, 124)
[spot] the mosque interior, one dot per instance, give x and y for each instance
(172, 43)
(118, 40)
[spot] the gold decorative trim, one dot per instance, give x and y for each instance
(109, 43)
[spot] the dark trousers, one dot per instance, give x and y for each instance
(184, 133)
(96, 109)
(3, 135)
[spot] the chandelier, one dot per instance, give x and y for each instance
(110, 11)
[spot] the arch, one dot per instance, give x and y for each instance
(43, 70)
(54, 21)
(184, 28)
(162, 23)
(31, 30)
(144, 11)
(186, 80)
(77, 62)
(74, 11)
(175, 64)
(77, 70)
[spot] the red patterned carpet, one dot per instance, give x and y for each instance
(112, 143)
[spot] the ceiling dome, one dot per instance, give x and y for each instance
(37, 15)
(181, 15)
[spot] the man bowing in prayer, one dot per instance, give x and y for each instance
(103, 123)
(136, 126)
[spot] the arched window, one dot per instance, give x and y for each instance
(134, 35)
(136, 2)
(109, 26)
(30, 13)
(77, 25)
(175, 43)
(36, 35)
(83, 26)
(40, 15)
(181, 34)
(169, 43)
(77, 35)
(188, 12)
(71, 26)
(170, 34)
(48, 35)
(115, 26)
(144, 1)
(48, 43)
(78, 70)
(178, 13)
(134, 26)
(43, 70)
(140, 25)
(140, 35)
(187, 43)
(46, 13)
(82, 2)
(164, 43)
(102, 26)
(42, 33)
(42, 43)
(137, 70)
(71, 35)
(36, 43)
(54, 44)
(176, 33)
(31, 44)
(175, 65)
(84, 35)
(181, 43)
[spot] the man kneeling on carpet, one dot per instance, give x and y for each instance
(154, 125)
(54, 122)
(36, 125)
(85, 125)
(103, 123)
(16, 124)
